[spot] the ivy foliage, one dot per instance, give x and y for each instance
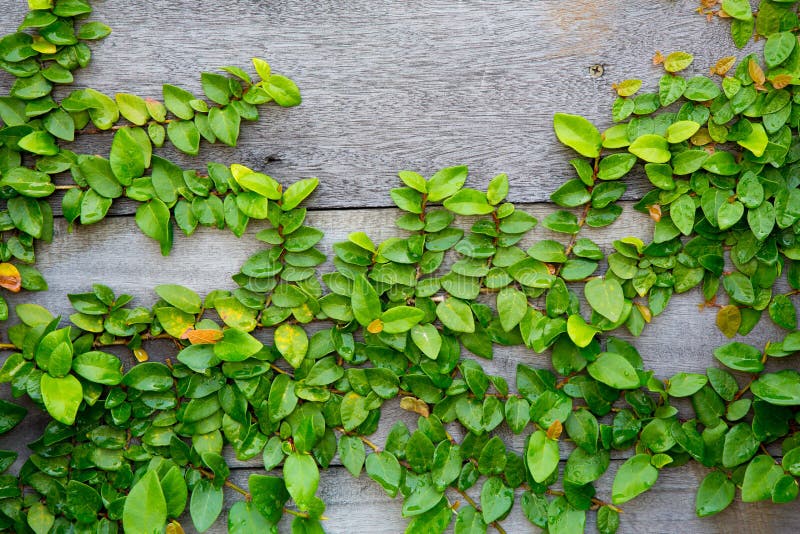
(36, 163)
(293, 367)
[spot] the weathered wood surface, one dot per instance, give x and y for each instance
(387, 86)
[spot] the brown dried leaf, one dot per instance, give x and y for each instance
(658, 58)
(655, 212)
(780, 81)
(756, 73)
(555, 430)
(723, 65)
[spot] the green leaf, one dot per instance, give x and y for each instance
(778, 48)
(614, 370)
(283, 91)
(496, 499)
(40, 519)
(651, 148)
(62, 397)
(148, 376)
(446, 183)
(715, 493)
(41, 143)
(145, 510)
(10, 415)
(469, 202)
(216, 87)
(677, 61)
(740, 445)
(578, 134)
(351, 451)
(760, 478)
(177, 102)
(383, 468)
(497, 190)
(512, 304)
(182, 298)
(282, 399)
(686, 384)
(605, 296)
(427, 338)
(301, 474)
(365, 301)
(740, 356)
(353, 410)
(633, 477)
(738, 9)
(98, 367)
(224, 123)
(680, 131)
(297, 192)
(422, 498)
(93, 30)
(401, 319)
(579, 332)
(153, 218)
(185, 136)
(205, 505)
(542, 456)
(456, 315)
(236, 346)
(133, 108)
(244, 518)
(781, 388)
(130, 154)
(98, 174)
(269, 495)
(292, 342)
(83, 501)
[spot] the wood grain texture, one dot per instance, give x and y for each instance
(388, 86)
(402, 85)
(682, 339)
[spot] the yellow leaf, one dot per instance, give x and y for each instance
(10, 278)
(723, 65)
(141, 355)
(375, 327)
(412, 404)
(627, 87)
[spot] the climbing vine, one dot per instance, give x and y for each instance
(152, 407)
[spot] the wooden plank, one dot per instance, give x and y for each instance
(360, 505)
(682, 339)
(390, 86)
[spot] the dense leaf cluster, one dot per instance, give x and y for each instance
(295, 365)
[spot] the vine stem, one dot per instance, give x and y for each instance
(249, 497)
(475, 505)
(67, 186)
(363, 439)
(595, 500)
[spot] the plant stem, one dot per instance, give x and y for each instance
(367, 442)
(475, 505)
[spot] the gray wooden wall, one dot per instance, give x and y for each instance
(387, 86)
